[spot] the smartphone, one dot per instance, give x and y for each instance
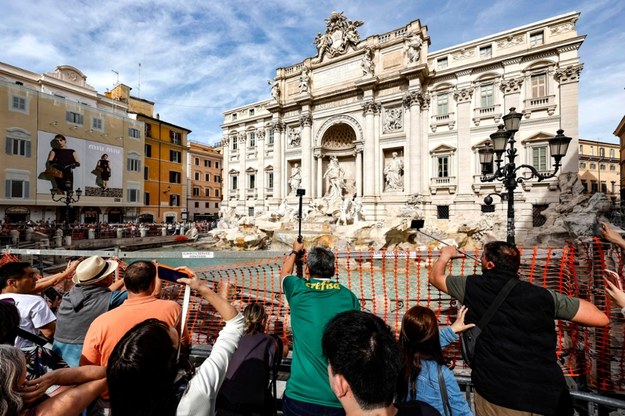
(52, 294)
(418, 224)
(614, 278)
(170, 274)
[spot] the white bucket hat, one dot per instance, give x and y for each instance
(93, 269)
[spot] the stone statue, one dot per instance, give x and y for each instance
(367, 63)
(323, 42)
(295, 138)
(282, 212)
(295, 179)
(275, 90)
(393, 173)
(358, 210)
(345, 212)
(336, 179)
(393, 119)
(413, 48)
(304, 81)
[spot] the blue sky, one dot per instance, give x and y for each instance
(200, 58)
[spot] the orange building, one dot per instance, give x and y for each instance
(205, 172)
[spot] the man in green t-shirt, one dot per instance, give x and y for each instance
(313, 302)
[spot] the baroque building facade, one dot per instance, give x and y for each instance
(388, 121)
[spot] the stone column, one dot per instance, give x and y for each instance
(359, 178)
(463, 122)
(278, 140)
(243, 166)
(369, 109)
(225, 163)
(412, 159)
(568, 78)
(260, 173)
(377, 154)
(305, 121)
(319, 182)
(424, 106)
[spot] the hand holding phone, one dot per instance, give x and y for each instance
(171, 274)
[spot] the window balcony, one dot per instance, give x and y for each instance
(486, 113)
(447, 182)
(547, 103)
(438, 120)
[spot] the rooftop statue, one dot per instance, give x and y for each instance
(340, 35)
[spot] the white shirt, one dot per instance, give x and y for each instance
(34, 314)
(200, 398)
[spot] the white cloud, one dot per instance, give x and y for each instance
(199, 58)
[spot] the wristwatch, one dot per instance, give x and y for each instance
(297, 253)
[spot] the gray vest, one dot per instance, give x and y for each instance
(79, 308)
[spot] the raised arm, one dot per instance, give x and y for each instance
(53, 280)
(438, 274)
(221, 305)
(289, 263)
(34, 389)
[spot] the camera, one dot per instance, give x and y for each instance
(300, 192)
(417, 224)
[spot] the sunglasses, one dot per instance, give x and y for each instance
(10, 301)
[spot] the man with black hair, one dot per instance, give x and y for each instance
(364, 362)
(17, 281)
(313, 302)
(514, 367)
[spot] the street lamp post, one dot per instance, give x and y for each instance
(503, 141)
(68, 199)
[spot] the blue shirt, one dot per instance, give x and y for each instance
(428, 388)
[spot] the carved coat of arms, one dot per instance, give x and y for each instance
(340, 36)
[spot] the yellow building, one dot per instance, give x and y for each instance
(620, 133)
(599, 167)
(205, 171)
(34, 110)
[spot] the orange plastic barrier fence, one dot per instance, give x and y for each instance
(389, 283)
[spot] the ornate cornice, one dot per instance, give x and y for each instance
(569, 48)
(542, 55)
(512, 61)
(569, 74)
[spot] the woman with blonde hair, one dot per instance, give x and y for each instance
(16, 392)
(244, 391)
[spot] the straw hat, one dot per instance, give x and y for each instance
(93, 269)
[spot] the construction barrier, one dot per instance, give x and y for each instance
(388, 283)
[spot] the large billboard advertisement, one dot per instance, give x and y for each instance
(65, 162)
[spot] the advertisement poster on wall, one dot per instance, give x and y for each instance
(65, 162)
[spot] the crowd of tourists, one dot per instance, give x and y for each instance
(113, 347)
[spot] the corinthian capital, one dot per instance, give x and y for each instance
(509, 86)
(411, 98)
(463, 95)
(370, 107)
(278, 126)
(424, 100)
(569, 74)
(305, 120)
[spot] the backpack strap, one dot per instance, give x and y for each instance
(443, 389)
